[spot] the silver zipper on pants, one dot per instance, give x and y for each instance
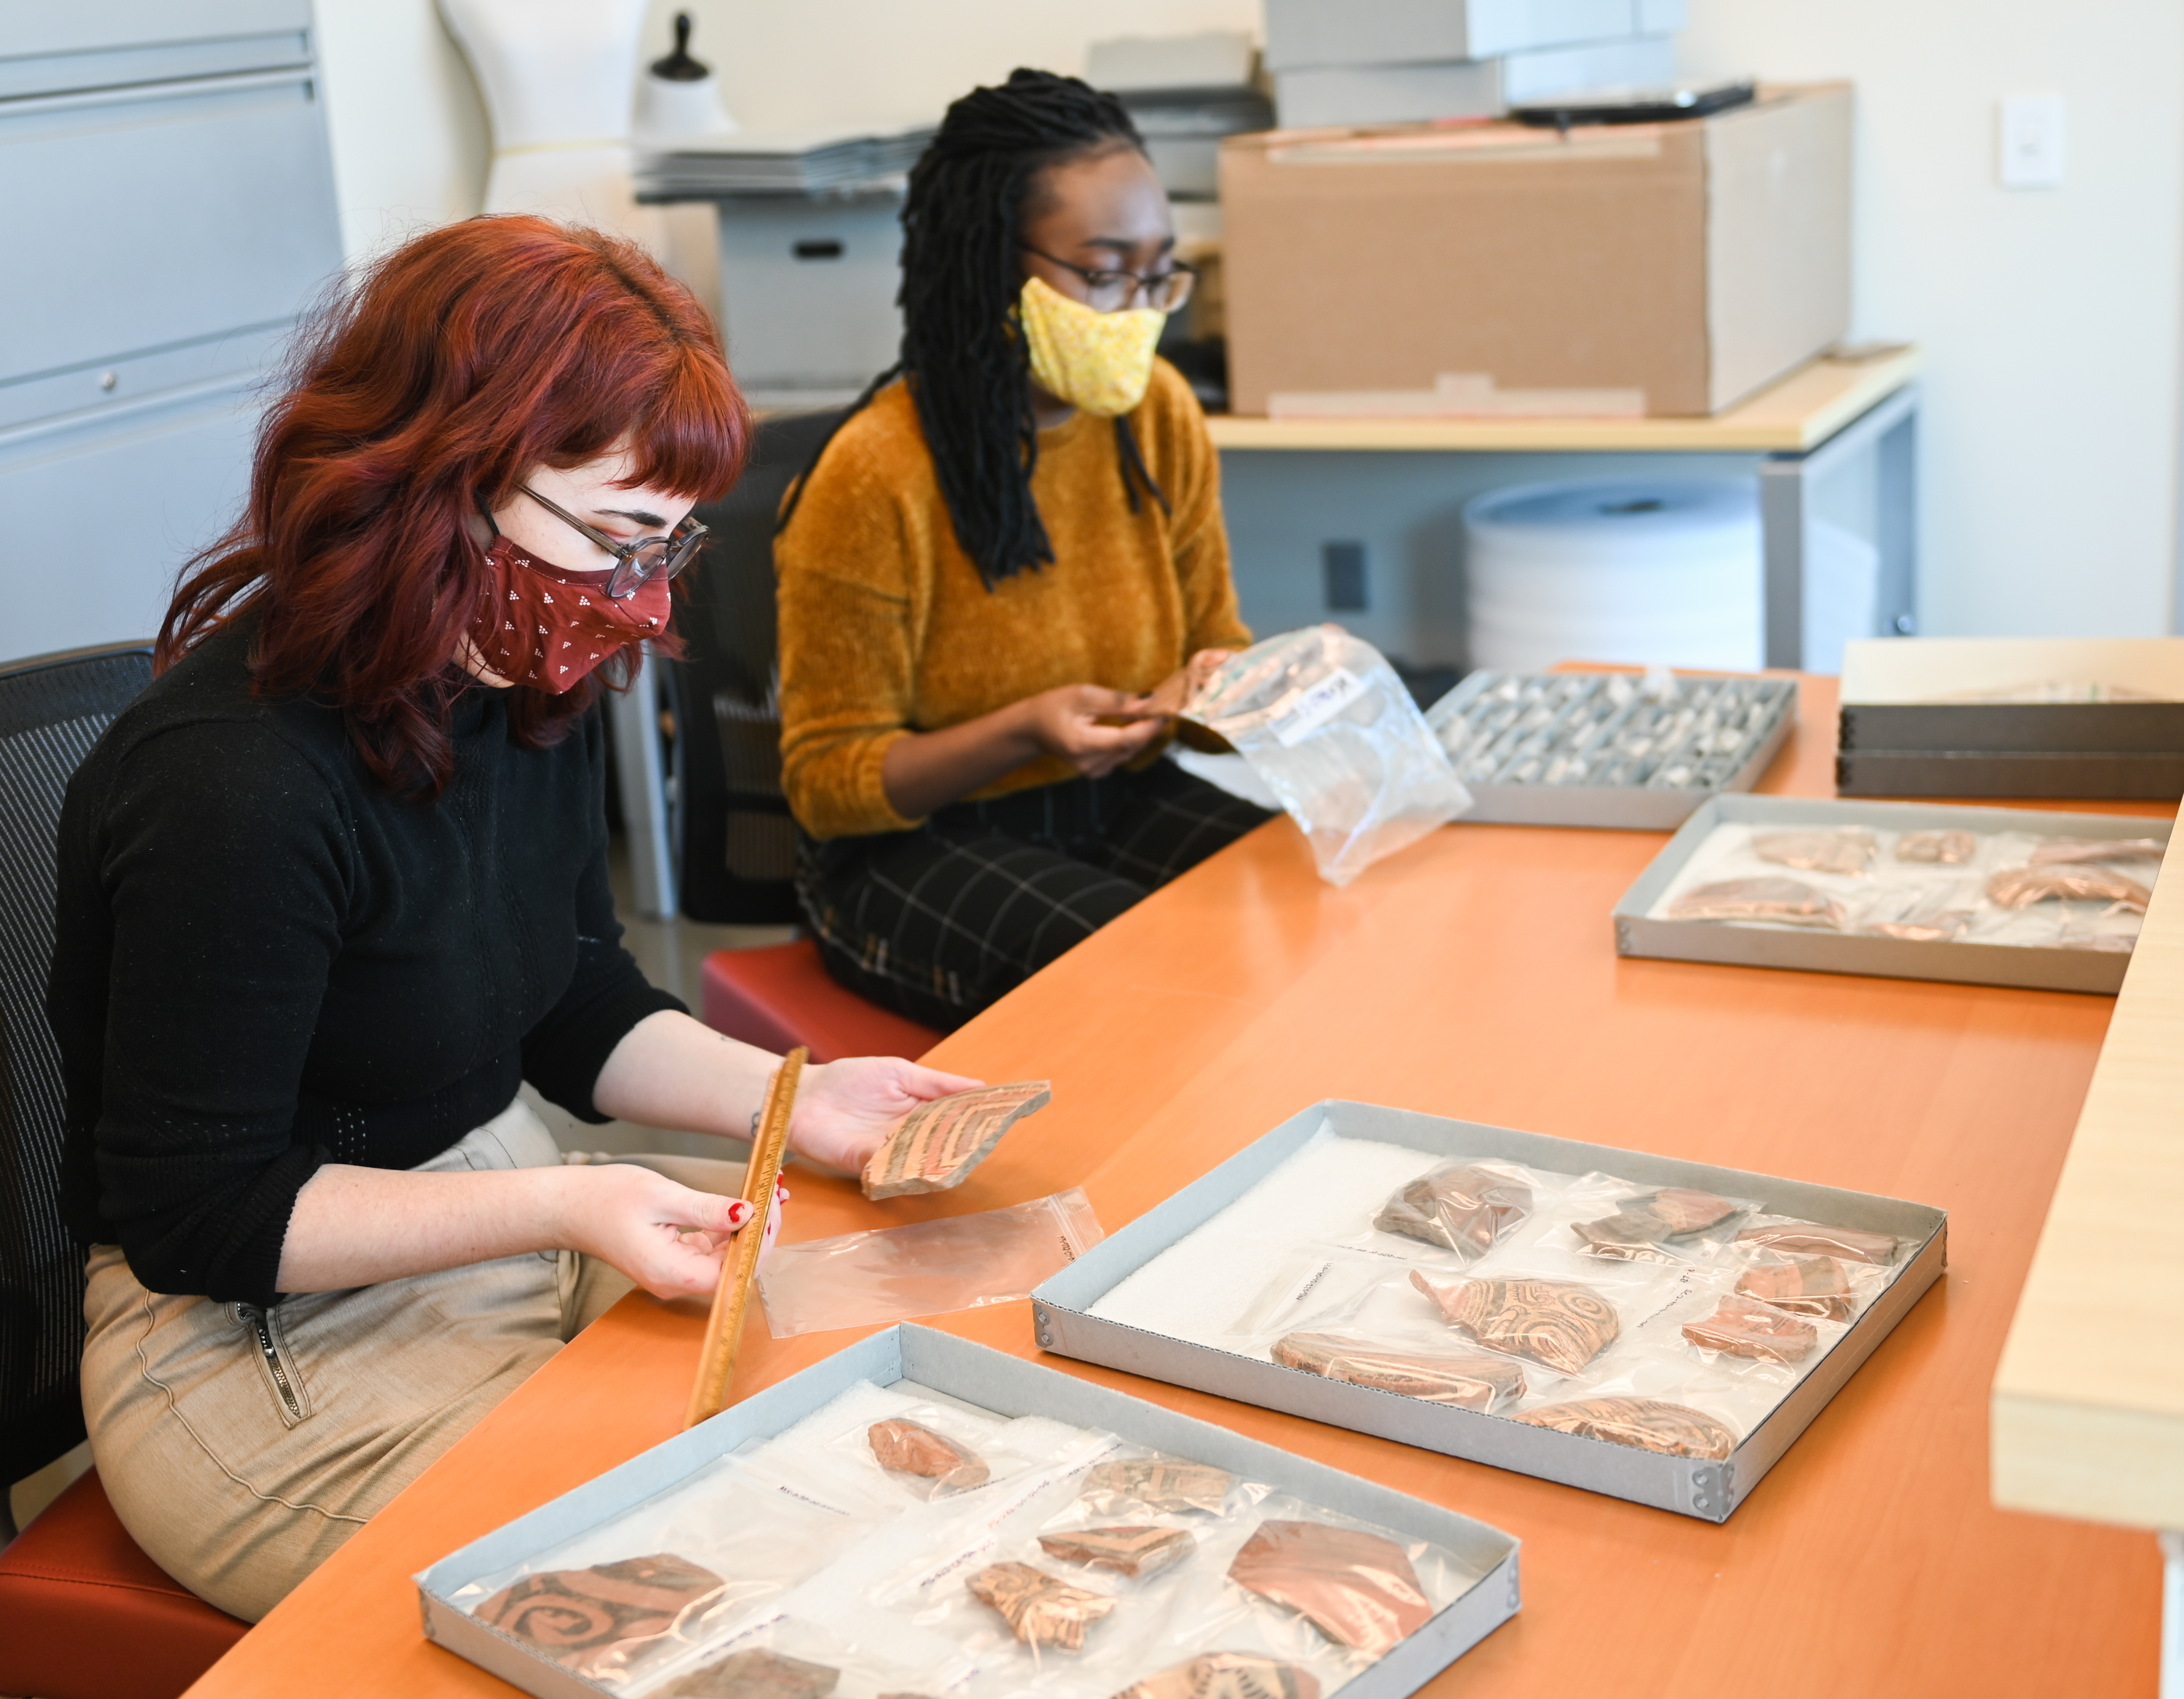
(255, 1318)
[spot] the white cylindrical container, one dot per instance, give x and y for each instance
(1661, 571)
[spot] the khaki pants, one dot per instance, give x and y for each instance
(240, 1449)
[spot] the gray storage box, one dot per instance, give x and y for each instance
(2082, 776)
(1930, 716)
(1637, 934)
(1690, 1486)
(1374, 32)
(1009, 1386)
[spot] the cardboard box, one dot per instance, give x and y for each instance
(1300, 33)
(1690, 1486)
(1673, 267)
(1932, 716)
(1319, 95)
(1009, 1386)
(1821, 951)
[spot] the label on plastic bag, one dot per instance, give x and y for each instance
(1317, 705)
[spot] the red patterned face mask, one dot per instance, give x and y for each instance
(545, 628)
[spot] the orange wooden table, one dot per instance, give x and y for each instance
(1473, 976)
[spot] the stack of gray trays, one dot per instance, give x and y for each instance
(782, 162)
(1610, 749)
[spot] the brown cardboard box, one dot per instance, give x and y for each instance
(1648, 268)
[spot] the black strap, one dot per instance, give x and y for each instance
(1126, 442)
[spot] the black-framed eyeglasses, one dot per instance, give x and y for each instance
(638, 562)
(1110, 292)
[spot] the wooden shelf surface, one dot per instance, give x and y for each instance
(1793, 415)
(2089, 1398)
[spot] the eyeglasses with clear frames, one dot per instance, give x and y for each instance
(637, 562)
(1111, 290)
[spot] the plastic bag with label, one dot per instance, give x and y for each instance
(1326, 723)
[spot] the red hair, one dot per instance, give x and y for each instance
(441, 375)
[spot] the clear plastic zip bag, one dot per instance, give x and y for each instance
(926, 1268)
(622, 1600)
(1669, 1224)
(1326, 723)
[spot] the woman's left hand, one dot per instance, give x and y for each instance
(844, 1109)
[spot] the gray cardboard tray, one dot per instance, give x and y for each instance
(1009, 1386)
(1646, 807)
(2146, 775)
(2029, 968)
(1922, 696)
(1691, 1486)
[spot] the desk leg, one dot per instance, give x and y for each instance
(1897, 453)
(634, 717)
(2172, 1616)
(1886, 438)
(1785, 502)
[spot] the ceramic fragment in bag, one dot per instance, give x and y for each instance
(937, 1145)
(1745, 1329)
(2054, 850)
(1852, 1244)
(1461, 1207)
(911, 1448)
(1558, 1323)
(1803, 1285)
(756, 1674)
(1847, 849)
(1639, 1226)
(1161, 1485)
(1326, 723)
(1651, 1424)
(1473, 1379)
(586, 1618)
(2018, 887)
(1227, 1675)
(1133, 1552)
(1784, 902)
(1355, 1588)
(1949, 848)
(1040, 1609)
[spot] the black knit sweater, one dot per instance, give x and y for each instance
(264, 962)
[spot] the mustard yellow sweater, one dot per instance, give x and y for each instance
(886, 628)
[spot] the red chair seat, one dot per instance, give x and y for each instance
(780, 996)
(85, 1614)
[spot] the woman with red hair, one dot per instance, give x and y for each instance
(336, 885)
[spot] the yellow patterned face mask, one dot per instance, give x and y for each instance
(1100, 363)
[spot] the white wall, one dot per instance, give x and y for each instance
(2051, 319)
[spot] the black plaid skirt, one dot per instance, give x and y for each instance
(939, 922)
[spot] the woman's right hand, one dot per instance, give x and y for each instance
(666, 1237)
(1072, 721)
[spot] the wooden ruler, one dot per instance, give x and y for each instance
(724, 1328)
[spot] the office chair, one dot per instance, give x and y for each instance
(84, 1613)
(735, 842)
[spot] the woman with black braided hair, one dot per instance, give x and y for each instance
(995, 577)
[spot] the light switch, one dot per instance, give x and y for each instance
(2029, 142)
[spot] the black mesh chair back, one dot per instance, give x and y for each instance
(53, 709)
(735, 848)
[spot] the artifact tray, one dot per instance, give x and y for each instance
(1480, 1563)
(1067, 1318)
(1640, 929)
(1615, 750)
